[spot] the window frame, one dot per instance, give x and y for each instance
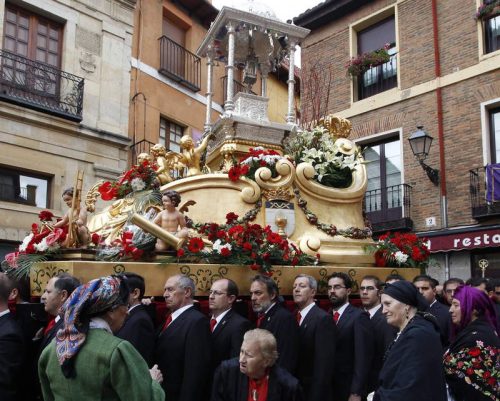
(17, 174)
(166, 141)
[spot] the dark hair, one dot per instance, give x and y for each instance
(5, 288)
(425, 277)
(455, 280)
(378, 283)
(174, 197)
(394, 276)
(345, 278)
(472, 299)
(69, 191)
(271, 286)
(23, 287)
(66, 282)
(476, 281)
(232, 288)
(134, 281)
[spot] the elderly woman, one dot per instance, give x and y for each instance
(472, 363)
(412, 369)
(85, 361)
(255, 377)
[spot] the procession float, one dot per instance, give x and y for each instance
(253, 196)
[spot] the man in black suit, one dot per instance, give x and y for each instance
(383, 332)
(227, 326)
(12, 347)
(255, 376)
(276, 319)
(183, 347)
(317, 342)
(354, 348)
(427, 287)
(138, 328)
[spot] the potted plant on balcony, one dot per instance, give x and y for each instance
(361, 63)
(489, 9)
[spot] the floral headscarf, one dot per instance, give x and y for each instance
(86, 301)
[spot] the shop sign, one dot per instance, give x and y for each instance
(468, 240)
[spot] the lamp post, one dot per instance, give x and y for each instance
(420, 143)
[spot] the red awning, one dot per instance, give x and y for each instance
(467, 240)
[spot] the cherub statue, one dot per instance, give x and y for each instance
(192, 155)
(166, 162)
(79, 226)
(228, 159)
(142, 157)
(170, 219)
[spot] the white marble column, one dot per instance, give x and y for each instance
(290, 117)
(210, 69)
(264, 72)
(229, 104)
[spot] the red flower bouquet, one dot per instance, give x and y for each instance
(243, 243)
(140, 177)
(256, 158)
(401, 250)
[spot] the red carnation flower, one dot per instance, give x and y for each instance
(180, 253)
(244, 169)
(295, 261)
(247, 246)
(225, 252)
(486, 375)
(254, 266)
(274, 238)
(469, 372)
(492, 381)
(96, 238)
(474, 352)
(234, 173)
(231, 218)
(107, 191)
(45, 215)
(262, 163)
(195, 245)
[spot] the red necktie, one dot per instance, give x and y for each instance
(260, 318)
(298, 317)
(213, 322)
(50, 325)
(336, 317)
(167, 322)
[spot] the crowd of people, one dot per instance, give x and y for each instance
(405, 341)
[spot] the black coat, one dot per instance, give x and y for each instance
(283, 325)
(413, 369)
(478, 330)
(316, 354)
(139, 330)
(232, 385)
(12, 352)
(183, 354)
(443, 317)
(384, 334)
(228, 336)
(353, 354)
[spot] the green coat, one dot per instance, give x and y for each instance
(107, 369)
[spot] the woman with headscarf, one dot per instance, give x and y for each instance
(86, 361)
(412, 369)
(472, 363)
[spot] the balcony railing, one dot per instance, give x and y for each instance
(389, 208)
(180, 64)
(40, 86)
(378, 79)
(10, 193)
(492, 34)
(237, 87)
(480, 207)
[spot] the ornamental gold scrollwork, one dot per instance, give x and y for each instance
(45, 274)
(203, 278)
(323, 281)
(279, 184)
(92, 195)
(338, 127)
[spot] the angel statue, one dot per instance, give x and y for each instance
(192, 155)
(166, 162)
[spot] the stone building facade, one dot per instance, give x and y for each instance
(443, 74)
(64, 103)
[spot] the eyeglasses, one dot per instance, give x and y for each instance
(216, 293)
(335, 287)
(367, 288)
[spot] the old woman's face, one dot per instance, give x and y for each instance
(394, 311)
(455, 311)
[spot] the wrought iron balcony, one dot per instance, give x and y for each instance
(11, 193)
(40, 86)
(389, 208)
(180, 64)
(481, 208)
(378, 79)
(237, 87)
(492, 34)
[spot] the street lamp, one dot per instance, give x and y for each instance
(420, 143)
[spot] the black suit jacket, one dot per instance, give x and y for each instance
(384, 334)
(283, 325)
(228, 336)
(47, 338)
(232, 385)
(316, 355)
(353, 354)
(139, 330)
(12, 352)
(183, 354)
(443, 317)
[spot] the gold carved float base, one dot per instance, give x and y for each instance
(203, 275)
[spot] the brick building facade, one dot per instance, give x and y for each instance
(444, 74)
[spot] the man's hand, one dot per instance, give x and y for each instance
(156, 374)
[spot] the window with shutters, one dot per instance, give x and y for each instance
(170, 135)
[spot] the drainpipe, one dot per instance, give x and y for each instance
(439, 105)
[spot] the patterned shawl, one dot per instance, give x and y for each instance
(86, 301)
